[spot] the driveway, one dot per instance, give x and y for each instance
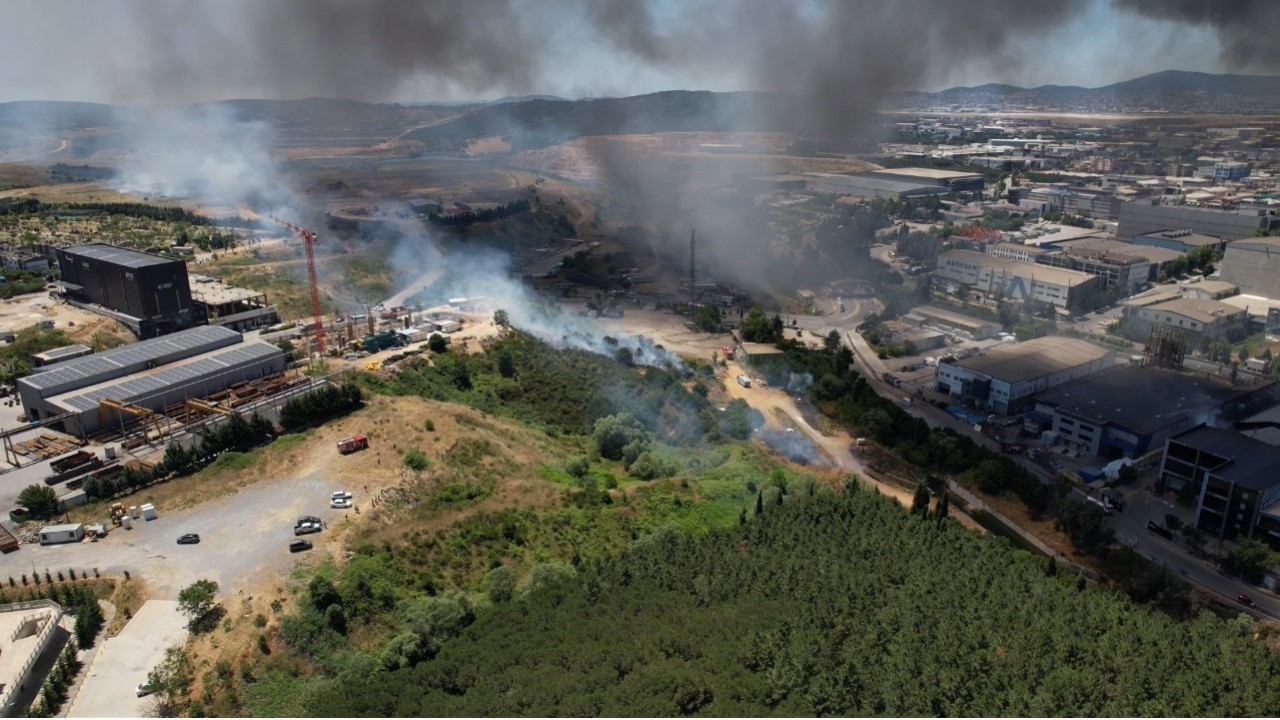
(123, 662)
(244, 539)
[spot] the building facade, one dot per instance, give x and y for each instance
(1007, 376)
(1143, 217)
(1253, 265)
(1234, 479)
(1202, 320)
(1013, 280)
(149, 293)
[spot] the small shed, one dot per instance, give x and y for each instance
(68, 533)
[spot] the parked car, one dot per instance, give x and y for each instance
(299, 545)
(1244, 599)
(340, 495)
(307, 519)
(307, 528)
(340, 503)
(189, 539)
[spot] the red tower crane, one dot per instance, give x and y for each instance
(308, 242)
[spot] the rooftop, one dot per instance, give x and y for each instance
(210, 291)
(114, 362)
(1018, 268)
(16, 653)
(1262, 244)
(951, 317)
(1255, 305)
(1091, 246)
(1142, 399)
(1034, 358)
(1186, 237)
(1254, 464)
(932, 173)
(146, 383)
(119, 256)
(1205, 311)
(65, 351)
(860, 182)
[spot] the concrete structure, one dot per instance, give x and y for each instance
(1130, 411)
(1006, 376)
(233, 307)
(27, 631)
(151, 374)
(148, 293)
(952, 180)
(58, 534)
(1180, 240)
(1013, 280)
(1203, 320)
(1094, 203)
(871, 187)
(1107, 257)
(1235, 480)
(1147, 216)
(66, 352)
(1124, 273)
(952, 323)
(1253, 265)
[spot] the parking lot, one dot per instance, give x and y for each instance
(244, 540)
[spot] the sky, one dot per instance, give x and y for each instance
(180, 51)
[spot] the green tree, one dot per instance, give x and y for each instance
(707, 318)
(944, 507)
(437, 343)
(500, 318)
(500, 584)
(40, 500)
(198, 601)
(415, 459)
(171, 681)
(920, 501)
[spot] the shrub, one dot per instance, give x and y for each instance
(414, 459)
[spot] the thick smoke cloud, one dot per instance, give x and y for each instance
(1245, 28)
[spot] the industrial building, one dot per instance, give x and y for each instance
(1133, 410)
(1094, 203)
(1005, 376)
(149, 293)
(1109, 259)
(1203, 320)
(58, 354)
(89, 392)
(1147, 216)
(953, 181)
(871, 187)
(952, 323)
(1016, 251)
(1235, 480)
(1253, 265)
(1180, 240)
(233, 307)
(1013, 280)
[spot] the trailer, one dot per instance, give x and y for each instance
(346, 446)
(744, 381)
(57, 534)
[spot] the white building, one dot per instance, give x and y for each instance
(1012, 279)
(998, 380)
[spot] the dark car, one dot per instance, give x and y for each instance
(189, 539)
(299, 545)
(1244, 599)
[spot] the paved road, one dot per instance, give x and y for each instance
(123, 662)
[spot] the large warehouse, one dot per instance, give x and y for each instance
(151, 374)
(1012, 279)
(148, 293)
(1131, 411)
(1254, 265)
(998, 380)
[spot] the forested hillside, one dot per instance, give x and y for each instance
(829, 605)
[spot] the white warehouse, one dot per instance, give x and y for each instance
(1006, 375)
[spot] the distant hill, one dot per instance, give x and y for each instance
(539, 123)
(523, 98)
(1170, 90)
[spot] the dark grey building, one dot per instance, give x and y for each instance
(1253, 265)
(1234, 479)
(1148, 216)
(149, 293)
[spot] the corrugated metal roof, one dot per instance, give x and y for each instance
(117, 361)
(124, 257)
(145, 384)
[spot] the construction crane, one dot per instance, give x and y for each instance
(308, 242)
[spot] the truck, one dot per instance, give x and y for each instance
(346, 446)
(892, 379)
(744, 381)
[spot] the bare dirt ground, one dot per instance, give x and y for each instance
(27, 310)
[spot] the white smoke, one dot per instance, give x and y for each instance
(484, 274)
(202, 152)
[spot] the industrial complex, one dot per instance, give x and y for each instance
(148, 293)
(1234, 479)
(1012, 279)
(89, 392)
(1005, 377)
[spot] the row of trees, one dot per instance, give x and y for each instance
(321, 405)
(462, 219)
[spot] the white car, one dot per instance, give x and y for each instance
(340, 495)
(340, 503)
